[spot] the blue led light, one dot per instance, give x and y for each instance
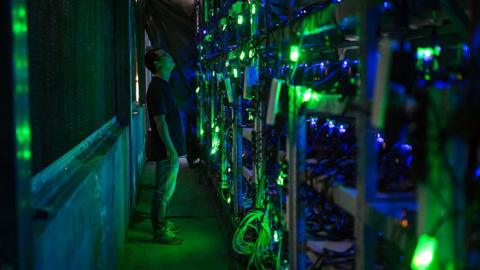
(345, 64)
(477, 173)
(342, 129)
(387, 5)
(406, 147)
(380, 139)
(409, 161)
(331, 125)
(441, 85)
(466, 50)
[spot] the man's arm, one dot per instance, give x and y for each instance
(164, 134)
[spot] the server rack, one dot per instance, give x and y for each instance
(399, 218)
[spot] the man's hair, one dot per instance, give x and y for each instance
(150, 58)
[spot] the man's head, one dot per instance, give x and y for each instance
(157, 61)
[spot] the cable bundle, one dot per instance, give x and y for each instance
(255, 225)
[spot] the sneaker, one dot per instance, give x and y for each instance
(167, 237)
(172, 227)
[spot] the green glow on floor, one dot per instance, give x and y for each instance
(193, 208)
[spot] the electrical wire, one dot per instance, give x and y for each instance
(256, 222)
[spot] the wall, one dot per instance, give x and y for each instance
(87, 230)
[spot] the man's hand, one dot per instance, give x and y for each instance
(172, 155)
(164, 134)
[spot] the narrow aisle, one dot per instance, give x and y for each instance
(193, 209)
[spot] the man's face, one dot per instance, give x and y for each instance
(164, 61)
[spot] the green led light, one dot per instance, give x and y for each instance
(424, 253)
(242, 55)
(217, 129)
(25, 155)
(22, 12)
(20, 59)
(229, 199)
(250, 53)
(254, 9)
(223, 23)
(276, 237)
(202, 132)
(428, 52)
(240, 19)
(235, 73)
(227, 63)
(23, 134)
(294, 53)
(307, 95)
(215, 145)
(20, 25)
(197, 90)
(281, 179)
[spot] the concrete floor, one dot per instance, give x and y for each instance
(206, 244)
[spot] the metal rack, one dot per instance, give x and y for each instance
(373, 211)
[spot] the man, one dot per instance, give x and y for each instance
(167, 142)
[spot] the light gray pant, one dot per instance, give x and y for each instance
(165, 182)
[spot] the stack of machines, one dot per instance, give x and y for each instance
(342, 134)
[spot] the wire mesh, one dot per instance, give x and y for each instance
(72, 74)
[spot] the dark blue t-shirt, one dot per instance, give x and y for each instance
(160, 100)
